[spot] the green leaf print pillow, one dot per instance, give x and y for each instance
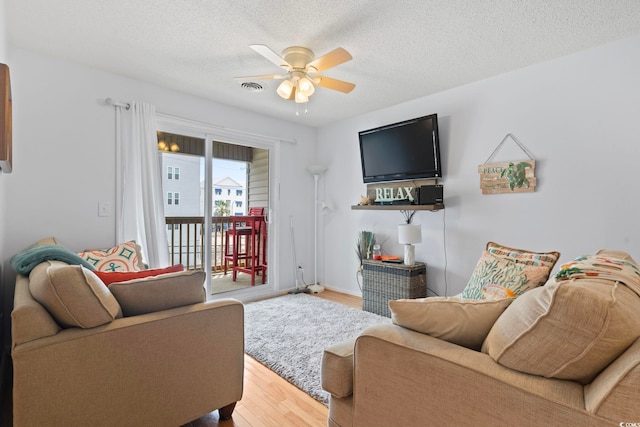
(515, 269)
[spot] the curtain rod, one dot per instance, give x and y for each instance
(126, 106)
(110, 101)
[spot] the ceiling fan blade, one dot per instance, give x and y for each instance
(331, 59)
(271, 55)
(263, 77)
(334, 84)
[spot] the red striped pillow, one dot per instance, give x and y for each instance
(109, 277)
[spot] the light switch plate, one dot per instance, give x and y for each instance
(104, 209)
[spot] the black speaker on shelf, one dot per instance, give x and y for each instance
(430, 195)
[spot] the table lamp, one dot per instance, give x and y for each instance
(408, 234)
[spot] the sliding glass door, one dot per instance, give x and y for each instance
(209, 186)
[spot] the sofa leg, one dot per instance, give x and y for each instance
(226, 412)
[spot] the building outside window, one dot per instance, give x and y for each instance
(238, 204)
(173, 173)
(238, 192)
(173, 198)
(218, 191)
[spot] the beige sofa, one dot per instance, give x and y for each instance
(163, 368)
(564, 354)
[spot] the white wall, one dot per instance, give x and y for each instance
(577, 115)
(64, 155)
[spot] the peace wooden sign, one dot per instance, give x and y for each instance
(508, 177)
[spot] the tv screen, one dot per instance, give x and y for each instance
(401, 151)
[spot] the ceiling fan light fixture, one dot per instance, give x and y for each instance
(301, 65)
(305, 87)
(301, 97)
(285, 89)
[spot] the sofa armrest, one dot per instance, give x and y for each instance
(401, 377)
(29, 319)
(614, 392)
(337, 368)
(163, 368)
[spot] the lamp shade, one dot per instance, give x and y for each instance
(316, 169)
(409, 234)
(285, 89)
(301, 97)
(305, 86)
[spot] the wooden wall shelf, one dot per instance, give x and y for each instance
(397, 207)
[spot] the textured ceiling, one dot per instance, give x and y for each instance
(401, 49)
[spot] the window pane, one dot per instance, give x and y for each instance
(176, 173)
(169, 172)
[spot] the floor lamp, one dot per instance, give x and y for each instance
(316, 171)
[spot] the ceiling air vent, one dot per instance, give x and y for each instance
(252, 86)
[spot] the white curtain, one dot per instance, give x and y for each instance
(140, 206)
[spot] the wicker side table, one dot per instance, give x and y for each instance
(384, 281)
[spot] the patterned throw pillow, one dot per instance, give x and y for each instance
(497, 292)
(124, 257)
(522, 256)
(515, 269)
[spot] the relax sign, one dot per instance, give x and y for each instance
(389, 194)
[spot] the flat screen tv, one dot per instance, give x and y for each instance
(401, 151)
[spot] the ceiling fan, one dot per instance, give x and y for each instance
(301, 69)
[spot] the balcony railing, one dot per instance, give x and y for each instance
(185, 238)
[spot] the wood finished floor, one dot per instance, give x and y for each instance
(269, 400)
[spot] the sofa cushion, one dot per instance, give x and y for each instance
(47, 241)
(109, 277)
(620, 255)
(453, 319)
(568, 329)
(124, 257)
(516, 269)
(73, 295)
(158, 293)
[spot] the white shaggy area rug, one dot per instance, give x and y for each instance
(288, 335)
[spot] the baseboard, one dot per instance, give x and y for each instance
(342, 291)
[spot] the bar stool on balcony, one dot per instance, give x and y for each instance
(247, 251)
